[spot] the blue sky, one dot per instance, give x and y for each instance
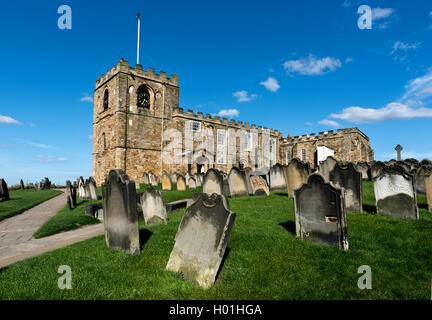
(297, 66)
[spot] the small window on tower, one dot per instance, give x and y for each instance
(104, 140)
(303, 155)
(195, 126)
(143, 97)
(106, 100)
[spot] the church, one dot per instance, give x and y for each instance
(139, 127)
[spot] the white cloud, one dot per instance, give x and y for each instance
(330, 123)
(348, 60)
(243, 96)
(400, 48)
(34, 144)
(391, 111)
(8, 120)
(90, 137)
(49, 159)
(86, 98)
(271, 84)
(409, 154)
(381, 13)
(312, 65)
(419, 90)
(228, 113)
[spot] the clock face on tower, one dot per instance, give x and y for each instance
(143, 98)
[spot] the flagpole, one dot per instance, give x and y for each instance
(139, 22)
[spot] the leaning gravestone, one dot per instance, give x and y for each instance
(181, 183)
(213, 182)
(146, 180)
(428, 185)
(345, 175)
(201, 239)
(296, 174)
(319, 212)
(91, 189)
(153, 207)
(4, 192)
(166, 181)
(237, 183)
(22, 184)
(326, 167)
(277, 178)
(395, 193)
(120, 212)
(259, 186)
(419, 178)
(364, 168)
(81, 188)
(248, 172)
(69, 195)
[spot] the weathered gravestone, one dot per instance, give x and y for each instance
(259, 186)
(94, 210)
(22, 184)
(4, 192)
(145, 178)
(237, 183)
(91, 189)
(45, 184)
(191, 183)
(365, 170)
(428, 184)
(70, 195)
(153, 179)
(153, 207)
(198, 181)
(166, 181)
(201, 239)
(277, 178)
(137, 185)
(326, 167)
(419, 178)
(174, 177)
(345, 175)
(120, 212)
(319, 212)
(213, 182)
(296, 173)
(376, 169)
(248, 172)
(81, 188)
(225, 185)
(181, 183)
(395, 193)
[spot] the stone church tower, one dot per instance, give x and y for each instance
(130, 110)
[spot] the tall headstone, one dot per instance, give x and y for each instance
(22, 184)
(398, 150)
(81, 188)
(191, 183)
(428, 184)
(319, 212)
(201, 239)
(237, 183)
(419, 178)
(4, 192)
(248, 172)
(145, 178)
(174, 177)
(153, 207)
(296, 174)
(277, 178)
(120, 212)
(181, 183)
(69, 195)
(326, 167)
(92, 189)
(395, 193)
(213, 182)
(166, 181)
(345, 175)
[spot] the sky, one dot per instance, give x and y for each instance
(297, 66)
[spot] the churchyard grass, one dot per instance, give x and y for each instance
(265, 260)
(21, 200)
(66, 220)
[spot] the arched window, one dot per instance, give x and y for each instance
(104, 140)
(143, 97)
(106, 100)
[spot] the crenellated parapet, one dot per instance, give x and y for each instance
(137, 71)
(324, 135)
(217, 120)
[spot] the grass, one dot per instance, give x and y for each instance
(21, 200)
(66, 220)
(265, 261)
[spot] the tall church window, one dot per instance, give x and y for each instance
(303, 155)
(288, 157)
(104, 140)
(106, 100)
(272, 151)
(143, 97)
(221, 146)
(248, 141)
